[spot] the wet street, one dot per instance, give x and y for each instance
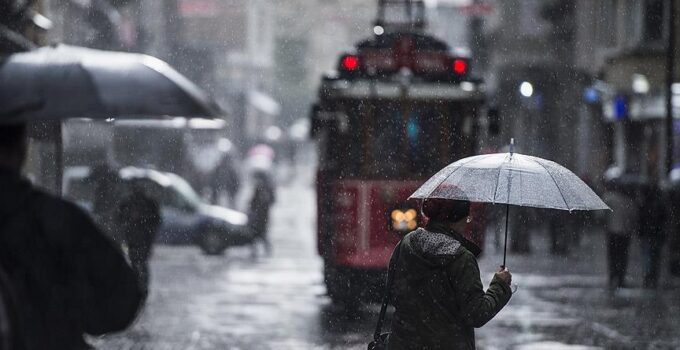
(236, 301)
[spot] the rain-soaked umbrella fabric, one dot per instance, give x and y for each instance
(515, 179)
(59, 82)
(511, 179)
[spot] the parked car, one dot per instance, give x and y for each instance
(186, 218)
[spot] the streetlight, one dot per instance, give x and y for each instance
(526, 89)
(378, 30)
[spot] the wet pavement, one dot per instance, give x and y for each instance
(236, 301)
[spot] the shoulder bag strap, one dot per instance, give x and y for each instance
(388, 291)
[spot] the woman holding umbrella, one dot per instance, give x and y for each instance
(438, 294)
(437, 291)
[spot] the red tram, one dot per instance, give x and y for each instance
(398, 109)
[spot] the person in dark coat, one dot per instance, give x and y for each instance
(437, 290)
(674, 243)
(139, 218)
(622, 222)
(68, 277)
(258, 215)
(225, 180)
(652, 233)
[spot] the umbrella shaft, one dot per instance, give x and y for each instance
(505, 245)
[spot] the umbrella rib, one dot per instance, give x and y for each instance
(498, 180)
(454, 170)
(555, 182)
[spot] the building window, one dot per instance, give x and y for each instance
(531, 24)
(606, 24)
(653, 30)
(643, 24)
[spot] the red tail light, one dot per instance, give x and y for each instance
(350, 63)
(460, 66)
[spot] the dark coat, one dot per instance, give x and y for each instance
(138, 216)
(263, 198)
(438, 295)
(69, 278)
(652, 213)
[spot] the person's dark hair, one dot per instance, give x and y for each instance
(446, 209)
(12, 138)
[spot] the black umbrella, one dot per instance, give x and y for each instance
(59, 82)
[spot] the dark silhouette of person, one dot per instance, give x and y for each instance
(68, 277)
(622, 223)
(652, 220)
(436, 287)
(138, 218)
(225, 179)
(260, 204)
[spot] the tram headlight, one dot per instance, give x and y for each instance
(404, 220)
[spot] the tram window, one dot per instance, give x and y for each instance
(387, 140)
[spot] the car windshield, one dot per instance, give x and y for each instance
(185, 191)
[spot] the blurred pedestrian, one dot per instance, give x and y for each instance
(652, 220)
(68, 277)
(225, 180)
(674, 243)
(520, 235)
(138, 218)
(260, 204)
(437, 291)
(621, 223)
(560, 227)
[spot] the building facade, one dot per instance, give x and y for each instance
(626, 48)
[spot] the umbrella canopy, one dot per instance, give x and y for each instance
(59, 82)
(511, 178)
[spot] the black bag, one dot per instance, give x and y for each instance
(380, 339)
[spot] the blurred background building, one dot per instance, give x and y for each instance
(567, 76)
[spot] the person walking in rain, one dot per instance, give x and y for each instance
(263, 198)
(68, 277)
(437, 290)
(622, 221)
(139, 217)
(652, 233)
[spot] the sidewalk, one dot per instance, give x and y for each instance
(564, 303)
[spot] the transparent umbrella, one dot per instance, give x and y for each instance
(511, 179)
